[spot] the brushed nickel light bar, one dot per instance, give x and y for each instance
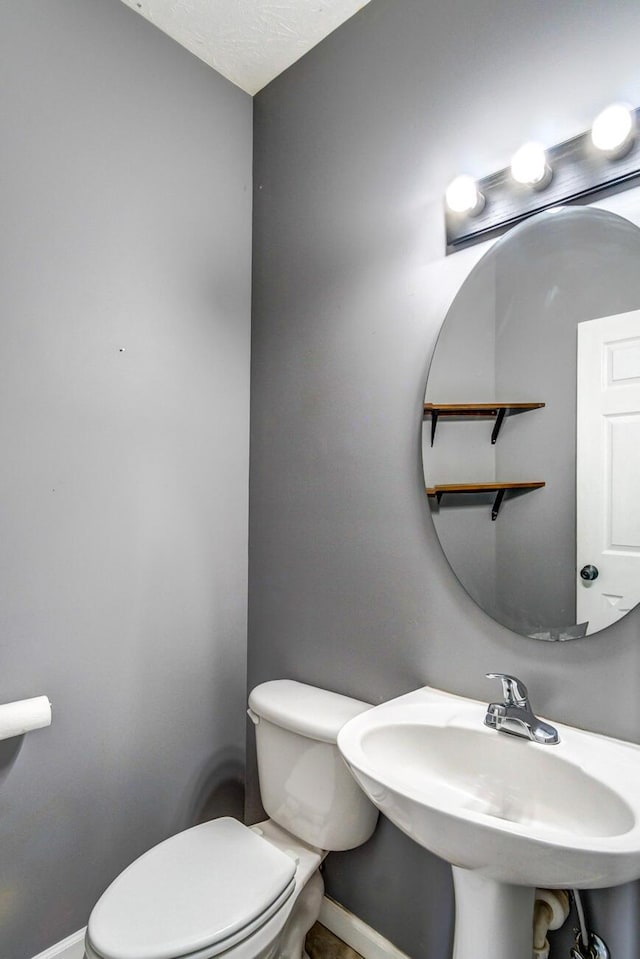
(604, 158)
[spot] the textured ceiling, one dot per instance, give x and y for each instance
(248, 41)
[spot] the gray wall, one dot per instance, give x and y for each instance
(348, 586)
(124, 373)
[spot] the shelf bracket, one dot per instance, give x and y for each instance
(497, 425)
(497, 503)
(434, 423)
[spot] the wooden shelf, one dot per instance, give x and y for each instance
(500, 489)
(496, 411)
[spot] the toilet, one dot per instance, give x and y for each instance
(247, 892)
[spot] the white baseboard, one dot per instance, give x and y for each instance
(356, 933)
(70, 948)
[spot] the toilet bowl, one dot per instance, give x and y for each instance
(247, 892)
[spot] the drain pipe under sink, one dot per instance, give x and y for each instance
(550, 910)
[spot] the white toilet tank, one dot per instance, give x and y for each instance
(305, 784)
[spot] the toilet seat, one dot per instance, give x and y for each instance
(194, 895)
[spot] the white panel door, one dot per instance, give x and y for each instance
(608, 468)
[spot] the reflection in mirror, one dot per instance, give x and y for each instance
(549, 318)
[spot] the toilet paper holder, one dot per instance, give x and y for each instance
(23, 716)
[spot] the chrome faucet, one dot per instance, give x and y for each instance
(515, 715)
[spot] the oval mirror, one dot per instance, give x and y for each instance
(531, 438)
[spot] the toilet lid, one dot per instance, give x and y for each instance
(214, 883)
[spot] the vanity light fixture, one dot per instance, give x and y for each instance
(613, 130)
(529, 166)
(462, 196)
(607, 157)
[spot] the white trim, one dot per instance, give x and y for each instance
(356, 933)
(70, 948)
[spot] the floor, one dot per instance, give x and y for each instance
(322, 944)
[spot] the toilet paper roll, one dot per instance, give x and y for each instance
(21, 717)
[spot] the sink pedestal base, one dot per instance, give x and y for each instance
(494, 920)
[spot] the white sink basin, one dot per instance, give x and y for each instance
(510, 810)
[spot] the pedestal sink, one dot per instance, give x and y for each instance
(507, 813)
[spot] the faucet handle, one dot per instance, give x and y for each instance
(514, 690)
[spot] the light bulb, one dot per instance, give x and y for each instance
(613, 130)
(463, 196)
(529, 166)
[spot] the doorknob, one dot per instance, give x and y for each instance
(589, 572)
